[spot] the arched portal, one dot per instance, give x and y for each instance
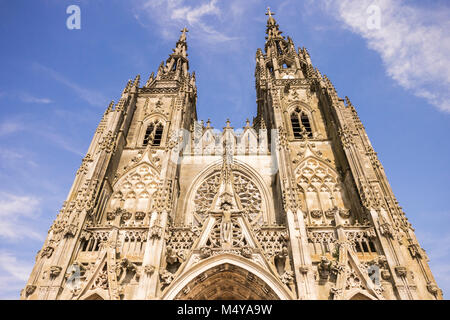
(227, 276)
(227, 282)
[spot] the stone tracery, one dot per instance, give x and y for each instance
(322, 192)
(246, 189)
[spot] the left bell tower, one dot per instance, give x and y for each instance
(106, 239)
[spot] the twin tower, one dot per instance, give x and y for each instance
(295, 205)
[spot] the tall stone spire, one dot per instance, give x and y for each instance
(273, 29)
(177, 65)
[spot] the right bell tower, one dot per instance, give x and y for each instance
(349, 238)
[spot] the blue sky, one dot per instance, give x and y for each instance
(55, 84)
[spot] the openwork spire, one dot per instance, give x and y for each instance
(177, 65)
(273, 29)
(181, 46)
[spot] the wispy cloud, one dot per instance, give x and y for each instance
(60, 141)
(11, 157)
(94, 98)
(16, 216)
(25, 97)
(413, 43)
(10, 126)
(13, 275)
(171, 14)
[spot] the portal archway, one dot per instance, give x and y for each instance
(232, 276)
(226, 282)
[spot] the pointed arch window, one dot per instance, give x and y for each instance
(300, 123)
(153, 134)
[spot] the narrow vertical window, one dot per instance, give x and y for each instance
(306, 125)
(158, 135)
(296, 126)
(148, 134)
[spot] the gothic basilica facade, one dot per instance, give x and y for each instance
(295, 205)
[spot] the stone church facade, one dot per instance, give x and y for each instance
(295, 205)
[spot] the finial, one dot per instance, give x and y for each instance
(136, 80)
(348, 102)
(228, 123)
(263, 124)
(127, 87)
(183, 34)
(208, 123)
(247, 123)
(110, 107)
(269, 13)
(150, 79)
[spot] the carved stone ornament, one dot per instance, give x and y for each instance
(70, 230)
(344, 213)
(110, 215)
(126, 215)
(246, 252)
(386, 230)
(29, 289)
(156, 232)
(337, 268)
(330, 213)
(55, 271)
(303, 269)
(316, 214)
(432, 288)
(287, 277)
(85, 164)
(205, 252)
(166, 277)
(140, 215)
(58, 227)
(385, 274)
(149, 269)
(415, 251)
(47, 251)
(101, 281)
(401, 271)
(336, 291)
(324, 267)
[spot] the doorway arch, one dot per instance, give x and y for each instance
(229, 277)
(226, 282)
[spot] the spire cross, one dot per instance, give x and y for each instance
(183, 34)
(269, 13)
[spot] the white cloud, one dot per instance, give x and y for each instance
(94, 98)
(13, 126)
(171, 15)
(13, 275)
(16, 217)
(8, 127)
(413, 43)
(25, 97)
